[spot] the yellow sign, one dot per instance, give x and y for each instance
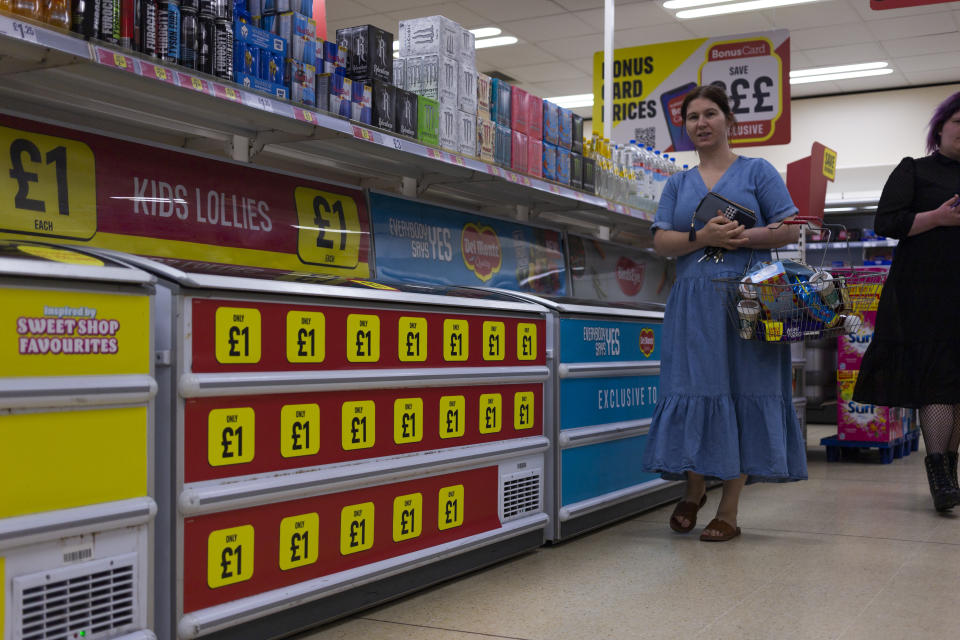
(299, 540)
(523, 410)
(305, 336)
(299, 430)
(491, 413)
(453, 416)
(526, 341)
(450, 509)
(358, 425)
(829, 164)
(456, 340)
(237, 335)
(407, 420)
(63, 459)
(412, 342)
(407, 517)
(494, 346)
(56, 333)
(356, 528)
(329, 232)
(48, 186)
(56, 254)
(230, 436)
(229, 556)
(363, 338)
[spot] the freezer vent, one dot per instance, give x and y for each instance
(521, 494)
(91, 600)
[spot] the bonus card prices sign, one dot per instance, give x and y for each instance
(75, 187)
(426, 244)
(650, 82)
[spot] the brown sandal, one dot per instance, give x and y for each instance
(727, 531)
(686, 510)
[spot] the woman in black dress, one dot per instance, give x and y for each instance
(914, 358)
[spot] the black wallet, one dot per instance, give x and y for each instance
(712, 202)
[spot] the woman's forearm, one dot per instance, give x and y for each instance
(923, 222)
(673, 244)
(772, 236)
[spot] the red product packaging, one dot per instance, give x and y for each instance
(534, 156)
(518, 110)
(534, 118)
(518, 152)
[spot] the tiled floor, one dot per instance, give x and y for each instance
(856, 552)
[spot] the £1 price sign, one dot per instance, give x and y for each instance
(753, 75)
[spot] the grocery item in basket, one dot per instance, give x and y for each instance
(773, 289)
(813, 305)
(749, 313)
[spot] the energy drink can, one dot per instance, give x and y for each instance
(163, 26)
(223, 49)
(85, 17)
(128, 16)
(110, 21)
(189, 32)
(173, 32)
(206, 43)
(189, 5)
(148, 37)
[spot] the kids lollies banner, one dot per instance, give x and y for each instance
(650, 82)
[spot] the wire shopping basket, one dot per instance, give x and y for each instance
(788, 301)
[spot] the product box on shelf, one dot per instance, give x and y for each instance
(468, 47)
(272, 66)
(341, 90)
(303, 78)
(852, 346)
(407, 113)
(271, 7)
(449, 133)
(589, 175)
(484, 87)
(295, 24)
(384, 105)
(551, 123)
(864, 422)
(565, 128)
(576, 142)
(576, 170)
(251, 35)
(518, 110)
(534, 116)
(370, 52)
(433, 76)
(467, 133)
(428, 120)
(502, 145)
(467, 89)
(563, 166)
(534, 157)
(322, 84)
(246, 60)
(399, 75)
(334, 57)
(486, 139)
(362, 101)
(518, 152)
(500, 98)
(258, 84)
(431, 34)
(549, 161)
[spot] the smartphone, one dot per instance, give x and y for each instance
(672, 101)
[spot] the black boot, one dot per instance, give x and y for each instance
(952, 468)
(945, 494)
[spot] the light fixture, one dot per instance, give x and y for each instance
(687, 4)
(499, 41)
(736, 7)
(574, 101)
(826, 77)
(819, 71)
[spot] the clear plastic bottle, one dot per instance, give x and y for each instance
(27, 8)
(57, 13)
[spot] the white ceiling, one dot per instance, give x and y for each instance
(558, 38)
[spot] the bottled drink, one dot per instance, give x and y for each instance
(27, 8)
(57, 13)
(189, 32)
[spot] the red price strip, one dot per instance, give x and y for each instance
(150, 70)
(227, 93)
(115, 60)
(192, 82)
(361, 133)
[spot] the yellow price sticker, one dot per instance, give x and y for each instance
(161, 73)
(299, 540)
(237, 335)
(49, 186)
(307, 116)
(299, 430)
(491, 413)
(407, 420)
(120, 60)
(456, 340)
(230, 436)
(412, 342)
(305, 336)
(453, 416)
(329, 230)
(229, 556)
(363, 338)
(197, 83)
(450, 507)
(493, 340)
(523, 410)
(526, 341)
(231, 93)
(356, 528)
(407, 517)
(358, 425)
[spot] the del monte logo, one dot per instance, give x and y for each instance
(481, 250)
(647, 343)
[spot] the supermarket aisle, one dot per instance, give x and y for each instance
(854, 553)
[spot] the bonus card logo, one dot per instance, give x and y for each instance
(630, 276)
(647, 342)
(481, 250)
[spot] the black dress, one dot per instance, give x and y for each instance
(914, 357)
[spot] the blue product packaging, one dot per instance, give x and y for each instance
(330, 52)
(565, 121)
(503, 145)
(241, 10)
(563, 166)
(500, 97)
(173, 32)
(551, 123)
(306, 8)
(269, 23)
(296, 24)
(275, 6)
(250, 63)
(261, 85)
(258, 37)
(271, 67)
(549, 161)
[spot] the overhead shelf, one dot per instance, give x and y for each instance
(843, 244)
(57, 76)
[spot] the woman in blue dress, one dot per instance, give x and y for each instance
(725, 408)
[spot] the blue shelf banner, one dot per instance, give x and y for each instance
(427, 244)
(586, 402)
(608, 341)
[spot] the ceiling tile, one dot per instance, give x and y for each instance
(863, 8)
(926, 62)
(630, 16)
(922, 25)
(576, 5)
(564, 25)
(813, 89)
(584, 64)
(651, 35)
(579, 47)
(871, 83)
(385, 6)
(342, 10)
(812, 15)
(378, 20)
(716, 26)
(498, 58)
(543, 72)
(830, 36)
(933, 76)
(452, 10)
(944, 43)
(847, 54)
(799, 60)
(506, 10)
(555, 88)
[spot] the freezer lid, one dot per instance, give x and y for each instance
(565, 304)
(43, 260)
